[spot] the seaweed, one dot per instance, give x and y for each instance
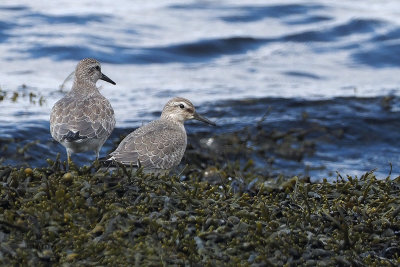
(91, 217)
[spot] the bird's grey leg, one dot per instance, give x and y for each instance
(97, 152)
(68, 158)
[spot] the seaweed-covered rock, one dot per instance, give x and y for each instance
(87, 217)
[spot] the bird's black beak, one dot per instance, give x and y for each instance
(201, 118)
(105, 78)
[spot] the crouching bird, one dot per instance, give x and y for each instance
(159, 145)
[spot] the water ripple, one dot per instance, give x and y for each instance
(330, 34)
(13, 8)
(68, 19)
(195, 51)
(255, 13)
(384, 55)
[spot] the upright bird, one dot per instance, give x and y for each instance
(83, 119)
(159, 145)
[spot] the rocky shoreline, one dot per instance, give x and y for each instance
(230, 202)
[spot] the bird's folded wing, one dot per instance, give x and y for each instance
(155, 145)
(92, 118)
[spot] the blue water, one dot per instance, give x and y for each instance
(334, 60)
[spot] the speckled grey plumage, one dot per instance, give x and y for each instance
(160, 144)
(83, 119)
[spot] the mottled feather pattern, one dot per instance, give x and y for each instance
(157, 145)
(161, 144)
(92, 116)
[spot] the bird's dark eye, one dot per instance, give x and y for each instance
(181, 106)
(97, 67)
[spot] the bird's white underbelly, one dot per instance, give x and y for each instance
(83, 145)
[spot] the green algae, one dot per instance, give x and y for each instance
(88, 217)
(23, 92)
